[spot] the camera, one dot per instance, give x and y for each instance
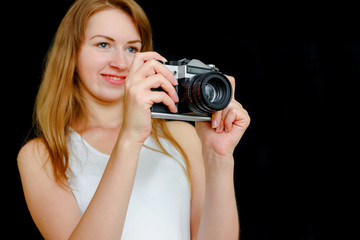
(202, 90)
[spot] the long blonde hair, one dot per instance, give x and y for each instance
(59, 102)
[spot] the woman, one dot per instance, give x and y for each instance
(100, 167)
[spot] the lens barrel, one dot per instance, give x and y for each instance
(209, 92)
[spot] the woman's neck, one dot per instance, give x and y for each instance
(100, 114)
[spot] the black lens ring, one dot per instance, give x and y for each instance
(199, 102)
(196, 103)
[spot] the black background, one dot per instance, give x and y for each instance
(295, 67)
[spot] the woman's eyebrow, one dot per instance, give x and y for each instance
(103, 36)
(113, 40)
(134, 41)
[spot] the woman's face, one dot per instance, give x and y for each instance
(110, 43)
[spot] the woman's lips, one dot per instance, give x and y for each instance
(114, 79)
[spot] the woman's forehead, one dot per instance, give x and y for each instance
(114, 23)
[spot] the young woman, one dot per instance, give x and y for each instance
(100, 167)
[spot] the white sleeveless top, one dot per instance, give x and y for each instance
(159, 206)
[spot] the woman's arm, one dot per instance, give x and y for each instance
(218, 143)
(54, 209)
(219, 218)
(105, 215)
(210, 151)
(213, 205)
(186, 136)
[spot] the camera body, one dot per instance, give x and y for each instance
(202, 90)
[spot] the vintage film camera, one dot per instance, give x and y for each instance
(202, 90)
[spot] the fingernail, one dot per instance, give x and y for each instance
(176, 81)
(214, 124)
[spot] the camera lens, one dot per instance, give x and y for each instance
(209, 92)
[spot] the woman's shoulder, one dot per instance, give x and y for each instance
(34, 146)
(181, 126)
(182, 131)
(33, 154)
(185, 134)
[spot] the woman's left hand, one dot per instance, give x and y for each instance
(223, 133)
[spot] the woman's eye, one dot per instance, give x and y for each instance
(103, 45)
(133, 49)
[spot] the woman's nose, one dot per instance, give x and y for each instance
(118, 60)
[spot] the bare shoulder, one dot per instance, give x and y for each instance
(33, 157)
(52, 207)
(185, 134)
(180, 126)
(34, 151)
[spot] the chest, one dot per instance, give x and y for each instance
(102, 140)
(159, 206)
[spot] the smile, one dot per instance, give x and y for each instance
(114, 79)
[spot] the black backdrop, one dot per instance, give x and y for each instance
(290, 74)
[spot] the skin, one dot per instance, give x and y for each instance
(118, 123)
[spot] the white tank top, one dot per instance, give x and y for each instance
(159, 206)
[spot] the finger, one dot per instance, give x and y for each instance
(158, 80)
(224, 113)
(216, 119)
(230, 117)
(154, 67)
(162, 97)
(143, 57)
(220, 128)
(232, 82)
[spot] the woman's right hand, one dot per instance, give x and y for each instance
(146, 73)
